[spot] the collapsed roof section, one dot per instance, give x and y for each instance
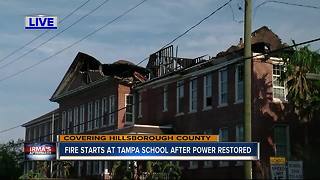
(263, 40)
(164, 62)
(85, 70)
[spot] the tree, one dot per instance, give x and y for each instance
(11, 159)
(153, 170)
(303, 93)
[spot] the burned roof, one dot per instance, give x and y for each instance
(85, 70)
(263, 35)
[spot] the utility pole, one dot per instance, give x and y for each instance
(52, 139)
(247, 82)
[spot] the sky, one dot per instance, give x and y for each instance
(133, 37)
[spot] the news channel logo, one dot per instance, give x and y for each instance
(40, 151)
(37, 22)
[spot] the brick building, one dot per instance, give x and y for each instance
(178, 95)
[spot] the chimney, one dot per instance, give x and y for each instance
(240, 42)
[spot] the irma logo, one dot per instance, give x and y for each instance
(41, 22)
(40, 151)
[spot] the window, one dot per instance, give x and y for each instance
(207, 91)
(129, 108)
(90, 116)
(223, 137)
(70, 121)
(29, 130)
(112, 108)
(95, 167)
(281, 138)
(63, 122)
(41, 132)
(207, 164)
(193, 164)
(75, 119)
(165, 98)
(193, 96)
(180, 95)
(104, 109)
(97, 114)
(223, 87)
(88, 167)
(50, 137)
(239, 133)
(239, 82)
(140, 105)
(35, 135)
(279, 91)
(239, 138)
(81, 127)
(46, 132)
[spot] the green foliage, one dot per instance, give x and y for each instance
(64, 166)
(163, 170)
(32, 175)
(303, 93)
(154, 170)
(11, 159)
(120, 170)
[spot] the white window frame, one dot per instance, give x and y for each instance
(90, 116)
(224, 70)
(165, 99)
(239, 83)
(81, 118)
(278, 87)
(193, 93)
(132, 108)
(75, 119)
(112, 108)
(104, 111)
(97, 116)
(207, 94)
(180, 94)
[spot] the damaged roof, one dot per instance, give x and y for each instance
(85, 70)
(261, 36)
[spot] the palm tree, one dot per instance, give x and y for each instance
(303, 93)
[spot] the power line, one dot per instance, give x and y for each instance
(189, 29)
(9, 129)
(39, 36)
(286, 3)
(45, 42)
(76, 42)
(197, 24)
(183, 83)
(62, 50)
